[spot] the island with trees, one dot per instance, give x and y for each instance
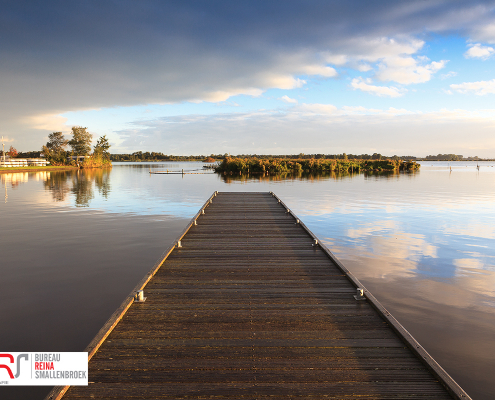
(80, 154)
(271, 166)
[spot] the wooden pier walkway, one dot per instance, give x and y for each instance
(245, 305)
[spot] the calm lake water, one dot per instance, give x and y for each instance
(74, 244)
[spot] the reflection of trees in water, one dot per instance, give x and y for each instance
(324, 176)
(80, 183)
(82, 187)
(56, 183)
(379, 175)
(102, 181)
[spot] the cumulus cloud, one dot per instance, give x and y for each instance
(479, 51)
(48, 122)
(287, 99)
(407, 70)
(484, 32)
(317, 108)
(321, 70)
(448, 75)
(361, 84)
(479, 88)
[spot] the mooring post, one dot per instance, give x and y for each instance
(359, 294)
(139, 298)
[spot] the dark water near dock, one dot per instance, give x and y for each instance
(73, 245)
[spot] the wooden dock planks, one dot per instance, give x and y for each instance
(248, 308)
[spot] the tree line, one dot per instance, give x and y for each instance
(157, 156)
(450, 157)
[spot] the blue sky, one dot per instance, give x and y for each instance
(278, 77)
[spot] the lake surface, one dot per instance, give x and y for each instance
(74, 244)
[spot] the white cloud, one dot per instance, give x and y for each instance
(336, 59)
(407, 70)
(55, 123)
(284, 82)
(360, 110)
(364, 67)
(479, 51)
(387, 47)
(448, 75)
(322, 70)
(317, 108)
(359, 83)
(485, 33)
(393, 58)
(221, 95)
(479, 88)
(287, 99)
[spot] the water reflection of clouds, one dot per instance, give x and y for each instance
(366, 264)
(470, 264)
(385, 239)
(474, 229)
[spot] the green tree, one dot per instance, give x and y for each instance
(81, 141)
(56, 142)
(54, 150)
(102, 146)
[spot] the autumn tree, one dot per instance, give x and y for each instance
(81, 141)
(12, 152)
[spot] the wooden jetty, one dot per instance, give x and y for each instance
(248, 304)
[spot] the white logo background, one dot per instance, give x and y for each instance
(43, 369)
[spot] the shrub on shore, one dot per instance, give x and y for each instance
(283, 165)
(96, 161)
